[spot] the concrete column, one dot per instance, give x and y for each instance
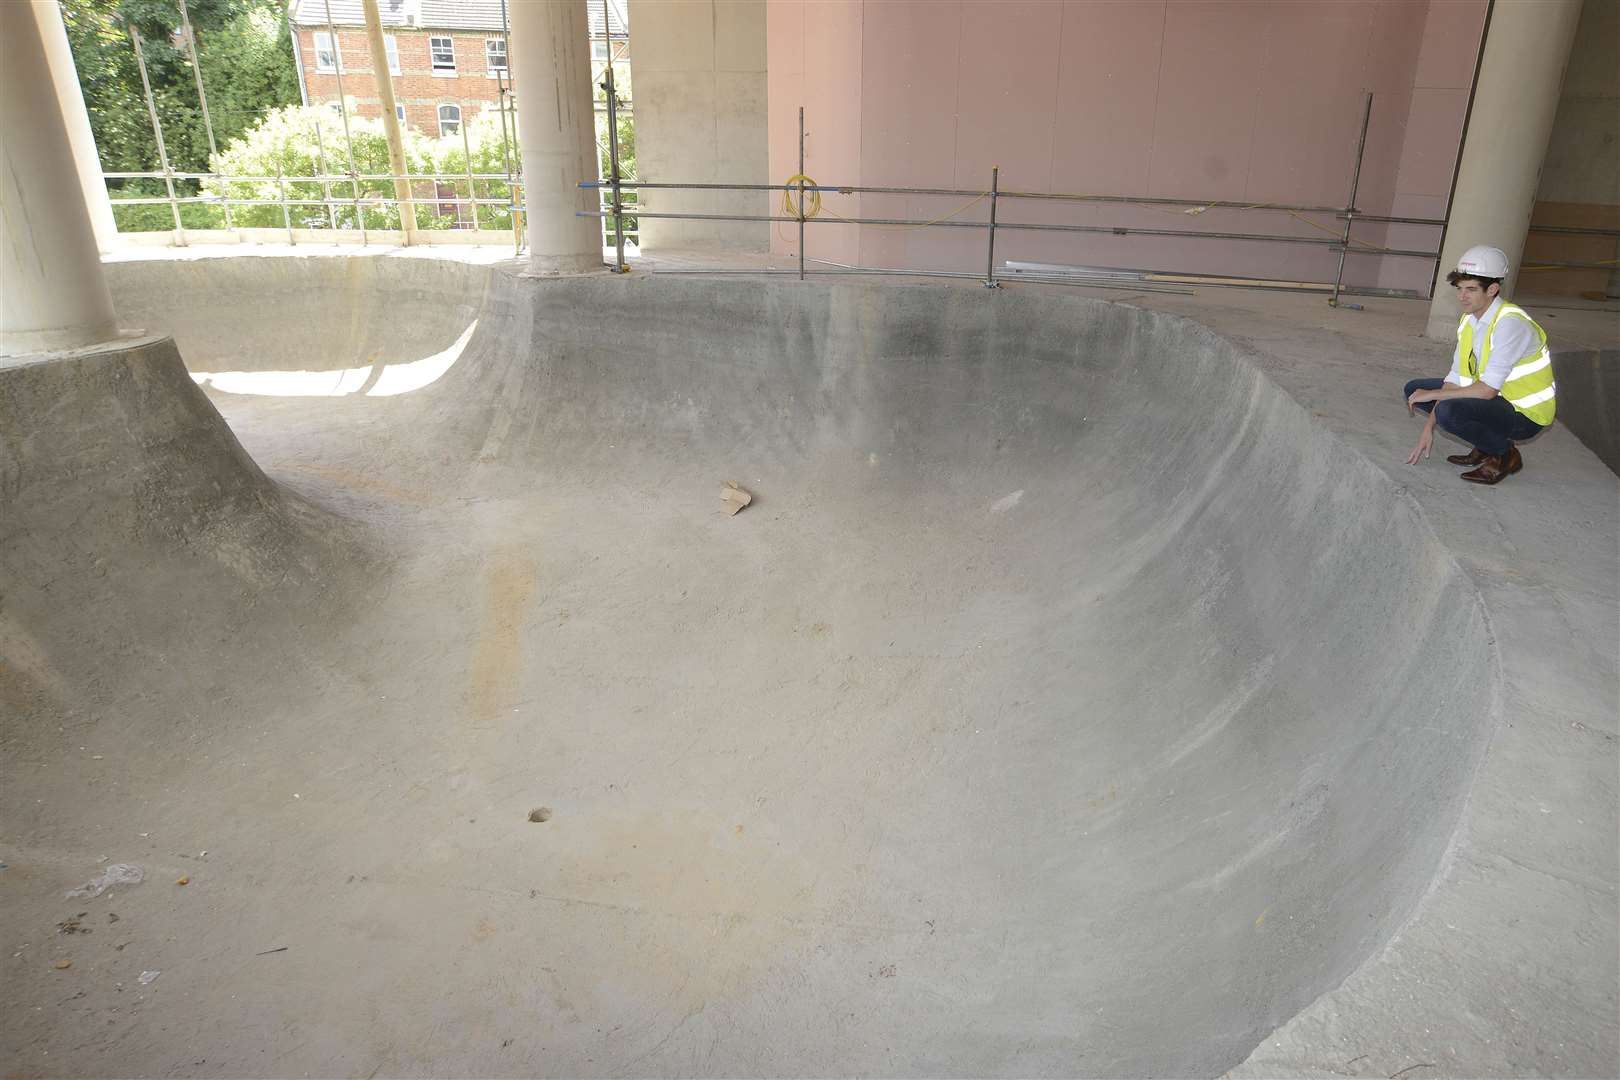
(701, 119)
(55, 294)
(551, 72)
(1521, 76)
(65, 77)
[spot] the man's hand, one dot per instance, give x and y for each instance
(1420, 396)
(1425, 443)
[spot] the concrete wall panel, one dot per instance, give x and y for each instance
(1308, 104)
(833, 121)
(1450, 41)
(739, 35)
(1243, 100)
(1580, 181)
(1107, 94)
(700, 106)
(1433, 129)
(1209, 83)
(912, 142)
(1437, 108)
(1007, 98)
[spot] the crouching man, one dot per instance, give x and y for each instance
(1500, 388)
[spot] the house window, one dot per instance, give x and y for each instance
(599, 49)
(495, 55)
(392, 49)
(442, 51)
(449, 119)
(326, 53)
(399, 111)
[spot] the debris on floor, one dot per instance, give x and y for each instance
(540, 813)
(116, 874)
(63, 965)
(147, 978)
(279, 948)
(72, 925)
(734, 497)
(184, 880)
(1007, 502)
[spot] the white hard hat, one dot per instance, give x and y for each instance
(1485, 262)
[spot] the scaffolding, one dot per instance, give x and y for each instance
(1343, 243)
(352, 177)
(614, 187)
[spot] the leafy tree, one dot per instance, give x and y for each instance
(245, 50)
(627, 171)
(300, 141)
(248, 69)
(627, 147)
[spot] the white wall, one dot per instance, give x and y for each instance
(699, 83)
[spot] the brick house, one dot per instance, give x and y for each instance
(447, 57)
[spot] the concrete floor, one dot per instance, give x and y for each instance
(1090, 690)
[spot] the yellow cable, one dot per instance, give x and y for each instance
(923, 225)
(814, 207)
(789, 209)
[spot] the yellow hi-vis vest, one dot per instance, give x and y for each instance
(1529, 386)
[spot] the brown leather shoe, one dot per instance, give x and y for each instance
(1472, 458)
(1495, 469)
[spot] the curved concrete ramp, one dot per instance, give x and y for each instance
(1066, 702)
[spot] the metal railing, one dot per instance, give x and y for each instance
(356, 200)
(612, 188)
(1343, 243)
(356, 203)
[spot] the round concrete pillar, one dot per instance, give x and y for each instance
(65, 76)
(55, 294)
(1521, 75)
(551, 72)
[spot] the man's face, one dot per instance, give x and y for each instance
(1473, 298)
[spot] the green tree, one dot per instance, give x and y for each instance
(305, 142)
(245, 51)
(627, 148)
(248, 70)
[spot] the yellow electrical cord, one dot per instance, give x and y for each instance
(924, 224)
(1363, 245)
(789, 208)
(814, 207)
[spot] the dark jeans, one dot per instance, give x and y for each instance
(1489, 425)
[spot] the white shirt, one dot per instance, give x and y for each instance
(1511, 344)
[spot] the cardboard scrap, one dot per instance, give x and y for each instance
(734, 497)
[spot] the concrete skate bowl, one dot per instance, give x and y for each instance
(1066, 703)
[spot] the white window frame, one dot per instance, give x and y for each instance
(489, 68)
(333, 50)
(391, 47)
(441, 70)
(457, 121)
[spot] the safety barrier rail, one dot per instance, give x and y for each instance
(612, 189)
(1342, 242)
